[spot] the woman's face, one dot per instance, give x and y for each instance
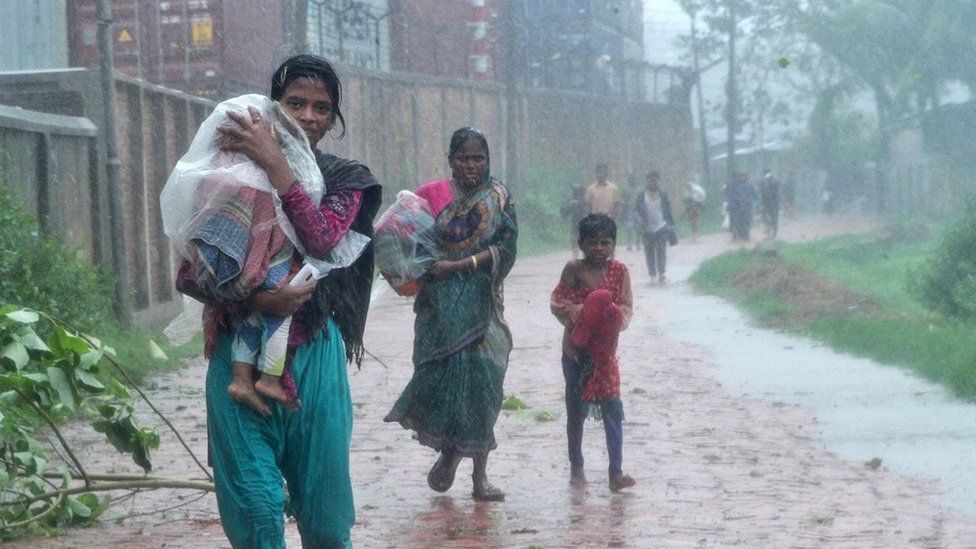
(309, 102)
(469, 163)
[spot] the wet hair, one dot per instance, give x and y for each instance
(462, 136)
(654, 174)
(311, 66)
(597, 225)
(602, 168)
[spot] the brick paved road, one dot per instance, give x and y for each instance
(712, 469)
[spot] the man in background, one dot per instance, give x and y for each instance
(603, 196)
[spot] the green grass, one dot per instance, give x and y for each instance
(878, 271)
(901, 332)
(132, 348)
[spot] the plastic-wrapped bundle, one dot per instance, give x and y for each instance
(406, 242)
(224, 216)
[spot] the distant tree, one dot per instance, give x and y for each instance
(905, 51)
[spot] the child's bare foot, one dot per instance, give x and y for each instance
(620, 482)
(241, 388)
(577, 477)
(271, 387)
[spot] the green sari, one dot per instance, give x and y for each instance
(461, 342)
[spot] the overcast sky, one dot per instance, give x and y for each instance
(663, 22)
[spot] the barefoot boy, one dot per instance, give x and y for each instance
(593, 301)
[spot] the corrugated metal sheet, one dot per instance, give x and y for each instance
(175, 43)
(33, 34)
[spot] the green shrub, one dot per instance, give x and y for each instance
(38, 271)
(947, 284)
(540, 194)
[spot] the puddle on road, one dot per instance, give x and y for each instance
(865, 410)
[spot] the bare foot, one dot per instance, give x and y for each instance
(271, 387)
(620, 482)
(577, 478)
(246, 395)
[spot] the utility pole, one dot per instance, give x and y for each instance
(509, 38)
(296, 26)
(114, 165)
(731, 94)
(703, 131)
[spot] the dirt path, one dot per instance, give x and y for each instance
(712, 469)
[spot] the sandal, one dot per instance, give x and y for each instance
(441, 475)
(487, 492)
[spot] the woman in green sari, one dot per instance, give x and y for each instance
(461, 342)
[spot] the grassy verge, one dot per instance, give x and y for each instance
(135, 352)
(851, 293)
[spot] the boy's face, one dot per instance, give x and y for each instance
(597, 248)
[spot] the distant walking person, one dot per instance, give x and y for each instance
(594, 302)
(656, 225)
(573, 210)
(740, 198)
(628, 216)
(603, 196)
(769, 202)
(694, 200)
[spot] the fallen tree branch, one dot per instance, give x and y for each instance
(64, 443)
(103, 476)
(35, 518)
(142, 394)
(153, 484)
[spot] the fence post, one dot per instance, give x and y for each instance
(113, 166)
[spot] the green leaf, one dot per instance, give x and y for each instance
(545, 416)
(89, 359)
(23, 316)
(79, 508)
(32, 342)
(61, 384)
(16, 353)
(88, 380)
(69, 342)
(37, 378)
(783, 63)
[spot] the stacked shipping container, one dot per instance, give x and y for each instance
(203, 47)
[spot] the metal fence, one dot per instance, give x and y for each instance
(52, 150)
(398, 125)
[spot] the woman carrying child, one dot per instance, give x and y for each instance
(253, 445)
(461, 340)
(593, 300)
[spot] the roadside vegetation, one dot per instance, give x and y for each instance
(895, 295)
(38, 271)
(64, 356)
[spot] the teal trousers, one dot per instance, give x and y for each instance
(254, 457)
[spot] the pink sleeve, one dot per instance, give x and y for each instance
(320, 227)
(436, 193)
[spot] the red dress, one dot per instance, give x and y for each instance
(593, 326)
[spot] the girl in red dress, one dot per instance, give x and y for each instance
(594, 302)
